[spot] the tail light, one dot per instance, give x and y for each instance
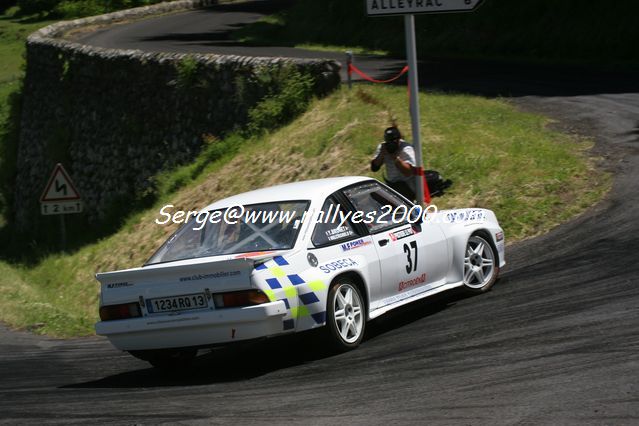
(123, 311)
(239, 298)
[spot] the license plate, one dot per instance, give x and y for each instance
(176, 303)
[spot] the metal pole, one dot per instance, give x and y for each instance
(349, 61)
(63, 233)
(411, 55)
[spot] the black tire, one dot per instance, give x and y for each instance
(167, 359)
(481, 266)
(345, 331)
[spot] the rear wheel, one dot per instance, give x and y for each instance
(167, 359)
(346, 319)
(480, 265)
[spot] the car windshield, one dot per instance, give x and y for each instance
(238, 229)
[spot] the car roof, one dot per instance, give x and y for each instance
(317, 189)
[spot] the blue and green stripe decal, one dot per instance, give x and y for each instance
(280, 289)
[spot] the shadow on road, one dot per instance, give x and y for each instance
(231, 364)
(493, 79)
(244, 11)
(472, 76)
(210, 31)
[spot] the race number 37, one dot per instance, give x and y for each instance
(411, 256)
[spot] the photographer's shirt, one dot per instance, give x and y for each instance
(406, 153)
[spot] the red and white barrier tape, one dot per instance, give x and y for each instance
(353, 69)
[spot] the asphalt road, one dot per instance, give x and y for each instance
(207, 31)
(556, 341)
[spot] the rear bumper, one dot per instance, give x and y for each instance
(196, 328)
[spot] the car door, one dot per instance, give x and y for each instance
(413, 256)
(338, 246)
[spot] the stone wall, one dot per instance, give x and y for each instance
(115, 118)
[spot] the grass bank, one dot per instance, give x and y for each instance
(498, 157)
(13, 33)
(66, 9)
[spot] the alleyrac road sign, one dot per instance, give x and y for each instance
(404, 7)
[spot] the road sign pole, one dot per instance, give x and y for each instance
(63, 233)
(411, 55)
(408, 9)
(349, 61)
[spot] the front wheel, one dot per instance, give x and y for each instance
(480, 265)
(346, 319)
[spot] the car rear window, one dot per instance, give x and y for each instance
(263, 227)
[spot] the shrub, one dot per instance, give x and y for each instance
(6, 4)
(29, 7)
(76, 8)
(289, 96)
(73, 9)
(186, 70)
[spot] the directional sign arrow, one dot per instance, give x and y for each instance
(405, 7)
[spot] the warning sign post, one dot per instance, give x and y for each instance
(60, 197)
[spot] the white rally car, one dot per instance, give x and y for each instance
(330, 253)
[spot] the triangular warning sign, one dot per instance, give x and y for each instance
(60, 186)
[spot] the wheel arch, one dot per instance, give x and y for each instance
(358, 280)
(485, 234)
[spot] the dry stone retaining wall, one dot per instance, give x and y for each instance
(115, 118)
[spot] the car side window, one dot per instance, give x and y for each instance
(380, 208)
(327, 229)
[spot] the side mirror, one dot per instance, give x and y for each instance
(416, 216)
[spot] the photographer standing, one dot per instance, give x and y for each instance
(399, 158)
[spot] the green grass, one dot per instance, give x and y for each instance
(498, 157)
(333, 48)
(13, 34)
(36, 302)
(67, 9)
